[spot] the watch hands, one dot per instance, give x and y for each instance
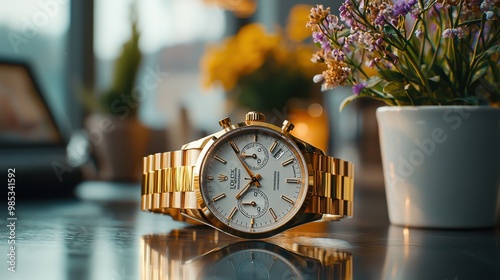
(252, 155)
(247, 186)
(253, 203)
(248, 170)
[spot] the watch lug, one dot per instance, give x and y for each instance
(194, 214)
(200, 143)
(306, 147)
(304, 218)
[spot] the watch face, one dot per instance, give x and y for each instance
(253, 264)
(253, 180)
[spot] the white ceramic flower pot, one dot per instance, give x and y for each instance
(441, 165)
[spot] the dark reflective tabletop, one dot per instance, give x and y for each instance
(103, 235)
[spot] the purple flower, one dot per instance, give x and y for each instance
(370, 41)
(393, 58)
(401, 7)
(345, 13)
(319, 37)
(453, 32)
(333, 23)
(371, 63)
(380, 20)
(338, 55)
(354, 37)
(447, 33)
(357, 88)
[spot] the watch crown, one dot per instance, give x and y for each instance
(287, 126)
(255, 116)
(225, 123)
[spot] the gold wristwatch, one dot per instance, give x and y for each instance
(251, 180)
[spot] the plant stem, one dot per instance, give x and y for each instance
(475, 62)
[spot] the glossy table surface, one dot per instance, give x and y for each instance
(102, 235)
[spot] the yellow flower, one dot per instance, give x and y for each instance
(219, 67)
(253, 44)
(239, 55)
(260, 68)
(295, 29)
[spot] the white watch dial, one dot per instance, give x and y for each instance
(253, 180)
(254, 264)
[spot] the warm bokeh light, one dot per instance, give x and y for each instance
(241, 8)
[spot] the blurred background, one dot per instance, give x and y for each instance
(90, 87)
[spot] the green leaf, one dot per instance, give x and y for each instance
(412, 91)
(347, 100)
(435, 82)
(492, 50)
(390, 75)
(436, 79)
(468, 100)
(470, 22)
(423, 100)
(373, 81)
(404, 102)
(395, 88)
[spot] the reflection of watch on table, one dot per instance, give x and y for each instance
(251, 180)
(195, 254)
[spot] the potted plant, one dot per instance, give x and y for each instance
(117, 135)
(435, 63)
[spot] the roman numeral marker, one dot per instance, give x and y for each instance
(252, 221)
(293, 181)
(220, 196)
(217, 157)
(255, 137)
(287, 199)
(287, 162)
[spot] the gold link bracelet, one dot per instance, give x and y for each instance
(168, 184)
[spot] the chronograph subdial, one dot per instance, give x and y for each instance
(253, 204)
(252, 269)
(255, 155)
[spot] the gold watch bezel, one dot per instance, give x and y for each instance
(297, 216)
